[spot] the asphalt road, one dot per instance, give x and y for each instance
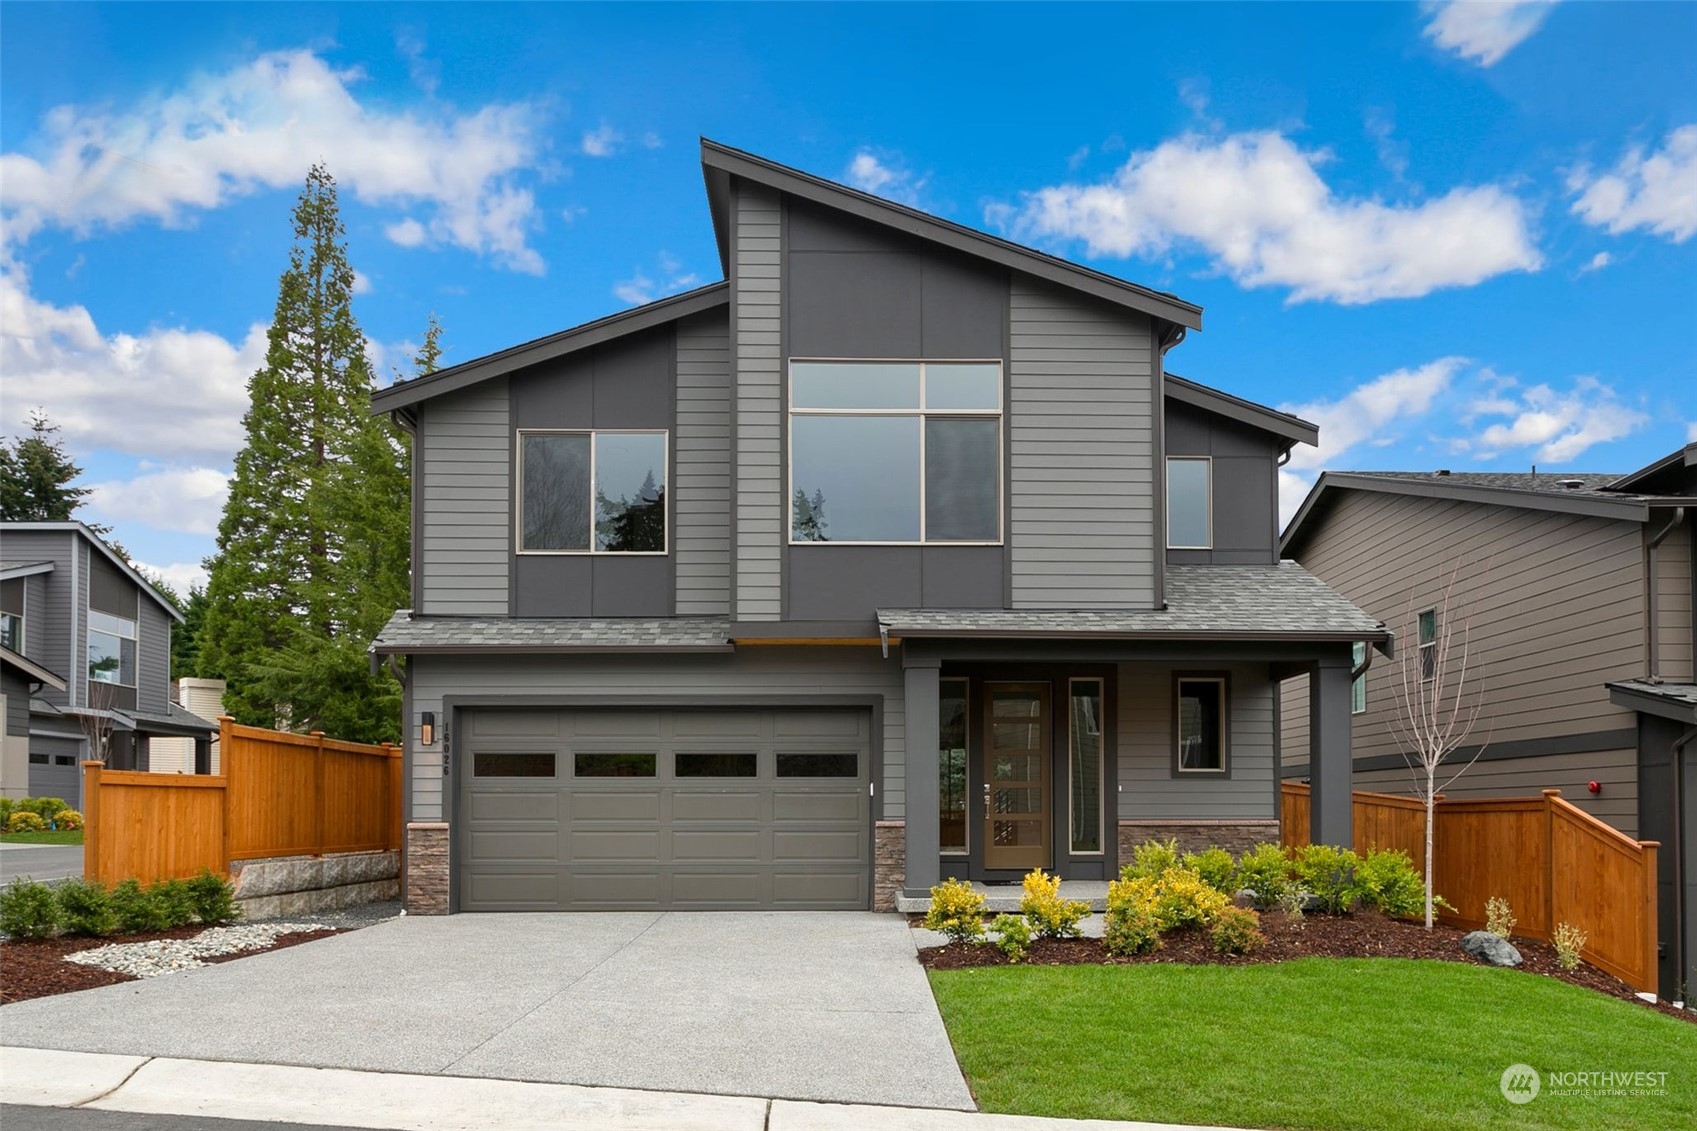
(18, 1118)
(40, 861)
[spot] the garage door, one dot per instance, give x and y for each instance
(688, 809)
(53, 769)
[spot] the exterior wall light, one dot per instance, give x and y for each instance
(427, 729)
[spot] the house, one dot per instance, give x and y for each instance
(1578, 594)
(72, 605)
(896, 555)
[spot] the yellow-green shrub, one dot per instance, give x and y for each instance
(1237, 930)
(1184, 900)
(1133, 925)
(1050, 916)
(1013, 936)
(1266, 871)
(70, 820)
(23, 821)
(1151, 859)
(1214, 865)
(956, 911)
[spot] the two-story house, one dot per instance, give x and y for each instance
(894, 556)
(89, 643)
(1576, 596)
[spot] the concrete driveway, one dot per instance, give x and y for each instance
(799, 1005)
(40, 861)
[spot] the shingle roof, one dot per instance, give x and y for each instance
(1282, 601)
(1544, 481)
(1670, 700)
(407, 633)
(9, 570)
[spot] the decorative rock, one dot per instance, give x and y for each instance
(1246, 897)
(1489, 948)
(167, 956)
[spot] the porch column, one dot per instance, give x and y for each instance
(921, 692)
(1331, 793)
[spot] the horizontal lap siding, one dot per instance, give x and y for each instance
(1081, 445)
(1616, 771)
(701, 503)
(807, 674)
(758, 376)
(47, 602)
(466, 483)
(1673, 601)
(153, 658)
(1148, 788)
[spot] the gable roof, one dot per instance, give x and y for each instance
(34, 671)
(719, 163)
(112, 556)
(1283, 424)
(1662, 471)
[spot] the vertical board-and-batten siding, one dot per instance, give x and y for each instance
(1149, 790)
(1080, 417)
(465, 546)
(701, 500)
(760, 505)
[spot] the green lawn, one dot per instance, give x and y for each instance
(1340, 1044)
(66, 836)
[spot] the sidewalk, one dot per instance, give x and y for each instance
(277, 1093)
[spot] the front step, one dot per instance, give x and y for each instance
(1005, 897)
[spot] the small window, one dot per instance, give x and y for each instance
(951, 767)
(592, 492)
(614, 765)
(715, 765)
(38, 759)
(1201, 731)
(512, 765)
(1190, 519)
(64, 760)
(12, 631)
(1428, 644)
(1358, 687)
(818, 765)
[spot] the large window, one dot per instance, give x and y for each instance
(896, 451)
(1190, 518)
(111, 649)
(1084, 764)
(1201, 731)
(951, 766)
(592, 492)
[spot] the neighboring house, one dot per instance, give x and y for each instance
(72, 605)
(894, 556)
(1578, 590)
(202, 697)
(20, 678)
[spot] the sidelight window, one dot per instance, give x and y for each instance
(951, 766)
(1084, 764)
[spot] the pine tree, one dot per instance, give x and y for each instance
(185, 637)
(36, 476)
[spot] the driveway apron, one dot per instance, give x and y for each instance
(799, 1005)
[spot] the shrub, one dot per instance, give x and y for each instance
(1329, 874)
(86, 909)
(1133, 925)
(138, 909)
(28, 909)
(1265, 870)
(177, 902)
(1499, 917)
(1237, 930)
(1151, 860)
(1215, 867)
(213, 898)
(1050, 916)
(1290, 905)
(1013, 936)
(1184, 900)
(1388, 880)
(1568, 941)
(68, 820)
(44, 807)
(23, 821)
(7, 804)
(956, 910)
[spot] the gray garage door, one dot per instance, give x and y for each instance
(702, 809)
(53, 769)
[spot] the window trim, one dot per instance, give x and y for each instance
(1101, 767)
(1166, 486)
(1428, 648)
(1358, 685)
(1223, 679)
(922, 413)
(665, 435)
(966, 698)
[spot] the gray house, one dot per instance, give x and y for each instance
(1579, 590)
(896, 555)
(95, 641)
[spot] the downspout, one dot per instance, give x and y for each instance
(1678, 838)
(1651, 635)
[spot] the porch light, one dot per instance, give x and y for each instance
(427, 729)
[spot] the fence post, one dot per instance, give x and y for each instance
(227, 764)
(318, 793)
(91, 820)
(393, 834)
(1550, 860)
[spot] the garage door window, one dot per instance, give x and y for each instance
(512, 765)
(716, 765)
(818, 765)
(615, 765)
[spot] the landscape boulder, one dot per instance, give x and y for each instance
(1490, 948)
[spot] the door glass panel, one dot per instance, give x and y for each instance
(512, 765)
(614, 765)
(951, 766)
(716, 765)
(818, 765)
(1017, 768)
(1016, 834)
(1084, 741)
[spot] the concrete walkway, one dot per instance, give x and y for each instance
(296, 1096)
(816, 1006)
(40, 861)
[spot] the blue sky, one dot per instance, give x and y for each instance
(1454, 235)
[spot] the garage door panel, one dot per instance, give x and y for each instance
(515, 890)
(708, 889)
(798, 805)
(614, 805)
(819, 724)
(687, 806)
(615, 845)
(515, 724)
(724, 844)
(753, 725)
(614, 724)
(830, 889)
(821, 845)
(493, 805)
(511, 844)
(633, 889)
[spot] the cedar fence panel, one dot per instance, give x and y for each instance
(1552, 861)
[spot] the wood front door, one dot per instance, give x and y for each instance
(1016, 776)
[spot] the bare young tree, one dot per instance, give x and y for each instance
(96, 721)
(1438, 697)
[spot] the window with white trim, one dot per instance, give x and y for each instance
(111, 649)
(600, 492)
(893, 452)
(1358, 686)
(1190, 510)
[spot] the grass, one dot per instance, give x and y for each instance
(1341, 1044)
(51, 836)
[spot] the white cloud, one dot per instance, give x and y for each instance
(362, 283)
(651, 140)
(1558, 426)
(669, 278)
(1599, 261)
(1368, 410)
(407, 232)
(188, 500)
(1484, 30)
(1691, 432)
(886, 177)
(260, 126)
(603, 141)
(180, 576)
(1257, 206)
(1657, 191)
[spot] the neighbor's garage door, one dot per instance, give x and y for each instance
(706, 809)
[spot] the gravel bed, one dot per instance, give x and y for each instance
(167, 956)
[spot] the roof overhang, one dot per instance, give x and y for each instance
(1683, 458)
(111, 555)
(34, 671)
(908, 632)
(25, 569)
(1287, 427)
(1676, 701)
(383, 649)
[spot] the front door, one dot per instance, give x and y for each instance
(1016, 776)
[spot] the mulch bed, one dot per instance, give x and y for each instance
(1363, 934)
(32, 968)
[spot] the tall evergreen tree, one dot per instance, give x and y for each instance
(36, 475)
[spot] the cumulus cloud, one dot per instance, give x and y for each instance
(1656, 191)
(603, 141)
(1554, 426)
(1484, 30)
(1371, 409)
(259, 126)
(187, 500)
(669, 278)
(1599, 261)
(884, 176)
(180, 576)
(362, 283)
(1257, 206)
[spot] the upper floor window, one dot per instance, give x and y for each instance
(111, 649)
(592, 492)
(1428, 644)
(896, 451)
(12, 614)
(1190, 518)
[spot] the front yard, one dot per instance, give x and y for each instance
(46, 836)
(1343, 1044)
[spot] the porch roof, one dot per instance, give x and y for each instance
(406, 633)
(1277, 602)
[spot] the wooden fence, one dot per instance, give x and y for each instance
(1553, 862)
(278, 795)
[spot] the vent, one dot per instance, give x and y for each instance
(1443, 471)
(1570, 484)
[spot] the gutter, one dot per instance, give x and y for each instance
(1652, 635)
